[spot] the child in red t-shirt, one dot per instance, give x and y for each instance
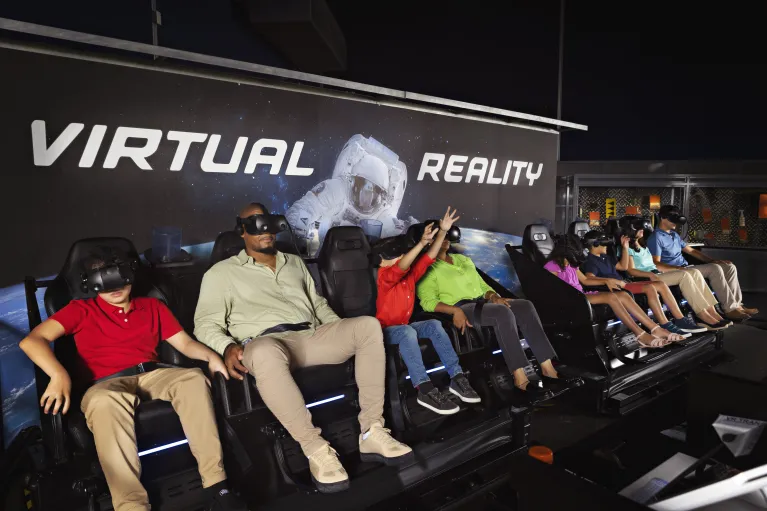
(114, 334)
(396, 298)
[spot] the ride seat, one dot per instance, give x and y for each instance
(156, 421)
(549, 296)
(314, 382)
(578, 228)
(537, 243)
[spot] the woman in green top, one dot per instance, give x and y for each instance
(452, 286)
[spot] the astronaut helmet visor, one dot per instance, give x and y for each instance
(365, 196)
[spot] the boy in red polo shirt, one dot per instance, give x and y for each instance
(396, 298)
(114, 334)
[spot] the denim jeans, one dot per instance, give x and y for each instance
(406, 336)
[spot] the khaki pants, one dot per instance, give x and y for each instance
(109, 408)
(724, 280)
(270, 360)
(693, 287)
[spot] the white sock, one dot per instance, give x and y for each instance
(365, 435)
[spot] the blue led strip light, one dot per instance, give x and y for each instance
(182, 442)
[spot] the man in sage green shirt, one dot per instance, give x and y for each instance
(260, 310)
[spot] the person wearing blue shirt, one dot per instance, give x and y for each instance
(690, 282)
(604, 266)
(666, 247)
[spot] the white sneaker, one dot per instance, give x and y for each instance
(381, 447)
(327, 472)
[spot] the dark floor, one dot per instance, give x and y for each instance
(563, 424)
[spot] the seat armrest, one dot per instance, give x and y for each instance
(221, 393)
(225, 392)
(54, 434)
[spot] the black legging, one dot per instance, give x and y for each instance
(505, 320)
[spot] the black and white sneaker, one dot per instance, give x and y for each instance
(460, 386)
(435, 401)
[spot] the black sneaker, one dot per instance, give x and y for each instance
(460, 386)
(435, 401)
(225, 500)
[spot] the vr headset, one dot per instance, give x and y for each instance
(262, 224)
(453, 235)
(672, 214)
(631, 225)
(390, 248)
(110, 277)
(597, 239)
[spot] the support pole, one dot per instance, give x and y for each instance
(561, 69)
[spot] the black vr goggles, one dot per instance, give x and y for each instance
(391, 248)
(672, 214)
(597, 239)
(262, 224)
(110, 277)
(631, 225)
(453, 235)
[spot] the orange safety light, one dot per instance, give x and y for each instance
(542, 453)
(654, 202)
(632, 210)
(593, 218)
(707, 215)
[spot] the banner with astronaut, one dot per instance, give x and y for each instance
(106, 149)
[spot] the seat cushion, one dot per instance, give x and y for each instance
(156, 424)
(319, 381)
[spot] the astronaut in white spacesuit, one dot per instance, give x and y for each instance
(368, 182)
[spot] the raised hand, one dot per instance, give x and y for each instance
(449, 219)
(428, 234)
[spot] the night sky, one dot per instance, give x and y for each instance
(652, 80)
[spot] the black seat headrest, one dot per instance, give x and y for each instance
(578, 228)
(227, 244)
(72, 271)
(346, 273)
(68, 286)
(537, 242)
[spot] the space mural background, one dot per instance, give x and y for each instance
(60, 181)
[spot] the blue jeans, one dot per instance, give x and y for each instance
(406, 336)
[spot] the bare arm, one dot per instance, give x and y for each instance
(446, 309)
(448, 219)
(198, 351)
(639, 273)
(459, 317)
(697, 254)
(37, 346)
(592, 280)
(406, 260)
(663, 266)
(623, 264)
